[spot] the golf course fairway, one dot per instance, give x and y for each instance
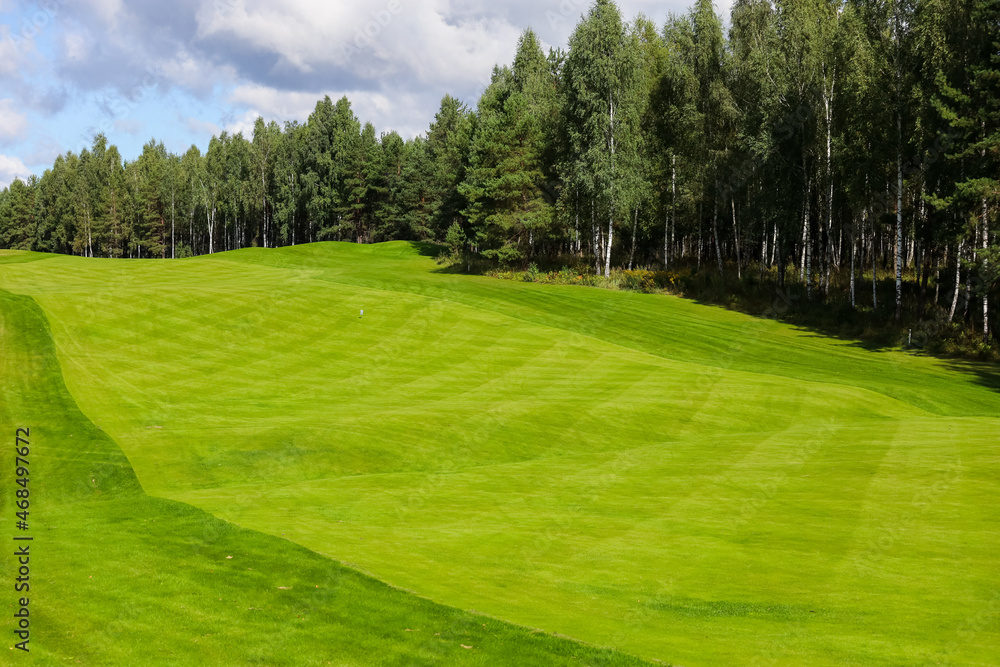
(678, 482)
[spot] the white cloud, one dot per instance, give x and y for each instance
(243, 123)
(383, 110)
(12, 48)
(420, 39)
(76, 46)
(275, 104)
(13, 123)
(194, 73)
(300, 31)
(201, 127)
(460, 54)
(223, 62)
(109, 11)
(11, 168)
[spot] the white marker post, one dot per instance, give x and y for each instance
(362, 313)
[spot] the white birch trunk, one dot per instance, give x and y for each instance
(210, 220)
(763, 249)
(958, 282)
(715, 234)
(611, 235)
(611, 207)
(701, 242)
(736, 236)
(805, 221)
(774, 245)
(874, 255)
(595, 232)
(986, 292)
(635, 233)
(577, 249)
(673, 198)
(807, 248)
(827, 98)
(853, 249)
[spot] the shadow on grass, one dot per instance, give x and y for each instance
(859, 328)
(448, 265)
(869, 330)
(987, 375)
(428, 248)
(455, 270)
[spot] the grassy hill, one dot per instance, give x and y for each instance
(122, 578)
(681, 482)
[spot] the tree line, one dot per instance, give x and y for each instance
(819, 142)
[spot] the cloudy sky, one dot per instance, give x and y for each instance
(184, 70)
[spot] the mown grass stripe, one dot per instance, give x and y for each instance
(593, 463)
(122, 578)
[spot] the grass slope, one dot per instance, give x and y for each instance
(122, 578)
(682, 482)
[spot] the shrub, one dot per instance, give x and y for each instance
(642, 280)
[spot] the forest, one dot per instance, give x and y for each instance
(824, 146)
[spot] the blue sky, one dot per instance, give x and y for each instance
(184, 70)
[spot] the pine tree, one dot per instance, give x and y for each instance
(362, 183)
(416, 192)
(150, 236)
(508, 209)
(17, 215)
(319, 180)
(447, 149)
(389, 209)
(170, 195)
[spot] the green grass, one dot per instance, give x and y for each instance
(681, 482)
(122, 578)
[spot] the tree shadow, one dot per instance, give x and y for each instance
(867, 331)
(987, 375)
(879, 343)
(428, 248)
(819, 320)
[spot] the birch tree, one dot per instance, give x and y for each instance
(602, 107)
